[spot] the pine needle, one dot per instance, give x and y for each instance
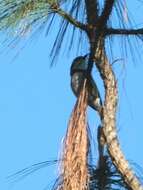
(74, 167)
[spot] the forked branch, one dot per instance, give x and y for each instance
(108, 116)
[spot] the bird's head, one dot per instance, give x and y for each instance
(79, 64)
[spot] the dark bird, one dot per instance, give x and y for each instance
(78, 73)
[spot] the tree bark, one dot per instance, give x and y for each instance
(91, 11)
(109, 121)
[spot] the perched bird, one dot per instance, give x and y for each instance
(78, 73)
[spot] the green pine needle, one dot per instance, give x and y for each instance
(21, 16)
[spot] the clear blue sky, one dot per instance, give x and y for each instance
(35, 105)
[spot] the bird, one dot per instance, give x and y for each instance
(78, 72)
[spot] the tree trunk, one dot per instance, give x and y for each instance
(109, 122)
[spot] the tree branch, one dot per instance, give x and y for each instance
(111, 31)
(91, 11)
(68, 17)
(106, 12)
(109, 120)
(101, 146)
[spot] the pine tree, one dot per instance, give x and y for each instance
(92, 20)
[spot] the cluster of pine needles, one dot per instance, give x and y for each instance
(77, 171)
(99, 178)
(76, 147)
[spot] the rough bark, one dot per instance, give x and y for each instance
(109, 122)
(91, 11)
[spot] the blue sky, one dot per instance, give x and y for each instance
(35, 105)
